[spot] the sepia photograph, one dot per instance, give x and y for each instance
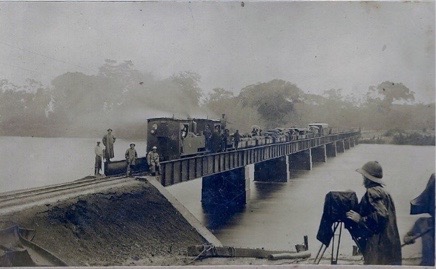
(197, 134)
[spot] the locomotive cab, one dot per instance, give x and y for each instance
(176, 138)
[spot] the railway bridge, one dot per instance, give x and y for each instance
(226, 175)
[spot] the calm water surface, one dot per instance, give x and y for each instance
(28, 162)
(277, 216)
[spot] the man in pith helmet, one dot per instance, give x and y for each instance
(153, 161)
(131, 156)
(376, 228)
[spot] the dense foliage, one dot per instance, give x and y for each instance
(121, 97)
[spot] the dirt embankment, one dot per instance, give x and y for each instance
(134, 225)
(126, 226)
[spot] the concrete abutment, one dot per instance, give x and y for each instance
(331, 150)
(346, 143)
(229, 189)
(319, 154)
(275, 170)
(340, 147)
(301, 160)
(351, 142)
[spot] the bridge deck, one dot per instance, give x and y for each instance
(180, 170)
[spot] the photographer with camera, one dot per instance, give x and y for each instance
(376, 224)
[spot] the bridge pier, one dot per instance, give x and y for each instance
(346, 144)
(226, 190)
(301, 160)
(331, 150)
(319, 154)
(269, 161)
(340, 147)
(275, 170)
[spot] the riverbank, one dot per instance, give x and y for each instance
(123, 226)
(133, 225)
(398, 137)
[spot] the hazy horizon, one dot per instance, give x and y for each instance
(316, 45)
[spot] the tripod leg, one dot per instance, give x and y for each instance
(317, 255)
(335, 227)
(322, 254)
(339, 243)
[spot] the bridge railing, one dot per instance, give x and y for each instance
(180, 170)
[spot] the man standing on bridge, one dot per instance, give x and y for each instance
(207, 136)
(131, 156)
(236, 139)
(108, 142)
(153, 161)
(98, 158)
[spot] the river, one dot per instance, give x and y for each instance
(277, 215)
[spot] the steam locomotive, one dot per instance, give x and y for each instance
(178, 138)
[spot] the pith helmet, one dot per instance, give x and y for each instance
(154, 147)
(373, 171)
(132, 144)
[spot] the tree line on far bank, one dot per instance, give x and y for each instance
(122, 98)
(422, 137)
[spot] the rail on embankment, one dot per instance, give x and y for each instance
(184, 169)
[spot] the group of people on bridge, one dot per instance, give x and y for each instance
(131, 155)
(218, 139)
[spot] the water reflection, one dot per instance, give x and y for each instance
(219, 216)
(264, 190)
(295, 174)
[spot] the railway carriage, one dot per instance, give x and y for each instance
(179, 138)
(322, 128)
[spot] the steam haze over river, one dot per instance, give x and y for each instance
(277, 216)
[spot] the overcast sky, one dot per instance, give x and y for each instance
(317, 46)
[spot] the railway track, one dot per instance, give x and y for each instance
(40, 198)
(14, 201)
